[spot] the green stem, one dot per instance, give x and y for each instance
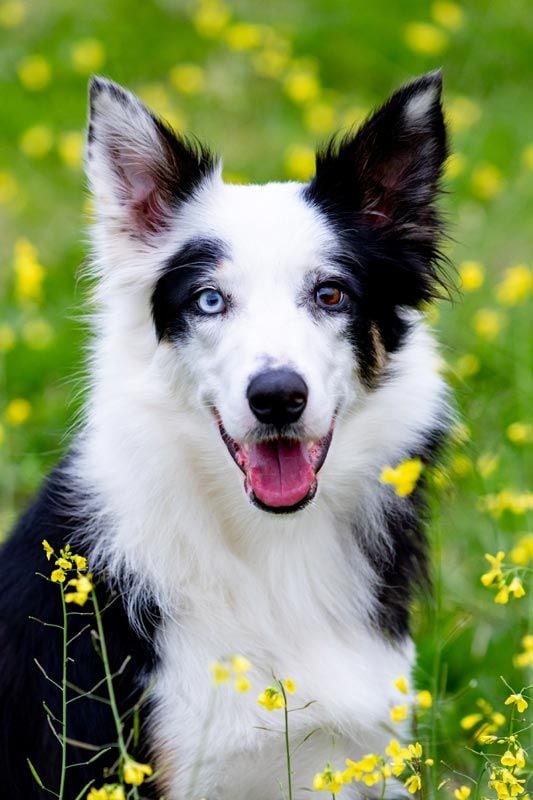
(287, 743)
(63, 700)
(109, 680)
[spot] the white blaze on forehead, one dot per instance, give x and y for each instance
(269, 226)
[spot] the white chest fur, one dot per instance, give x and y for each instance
(213, 739)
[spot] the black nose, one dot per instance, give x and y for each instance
(278, 396)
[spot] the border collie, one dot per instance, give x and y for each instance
(259, 355)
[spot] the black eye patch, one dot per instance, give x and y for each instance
(186, 272)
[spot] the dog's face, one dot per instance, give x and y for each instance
(275, 306)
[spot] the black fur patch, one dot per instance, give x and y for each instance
(184, 273)
(24, 731)
(404, 572)
(378, 189)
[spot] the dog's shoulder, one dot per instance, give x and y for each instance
(31, 661)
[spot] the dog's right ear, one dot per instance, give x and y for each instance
(139, 170)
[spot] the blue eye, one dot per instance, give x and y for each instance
(211, 301)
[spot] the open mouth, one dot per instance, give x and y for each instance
(280, 473)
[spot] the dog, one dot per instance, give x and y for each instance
(259, 356)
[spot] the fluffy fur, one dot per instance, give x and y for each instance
(151, 493)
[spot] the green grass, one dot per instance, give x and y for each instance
(466, 641)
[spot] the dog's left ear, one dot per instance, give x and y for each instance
(138, 169)
(384, 179)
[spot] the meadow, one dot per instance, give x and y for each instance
(265, 83)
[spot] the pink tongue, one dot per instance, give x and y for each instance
(280, 472)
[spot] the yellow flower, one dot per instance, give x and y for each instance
(211, 18)
(401, 684)
(8, 188)
(488, 323)
(425, 699)
(320, 117)
(242, 684)
(467, 365)
(289, 685)
(81, 562)
(522, 552)
(520, 758)
(63, 563)
(462, 113)
(520, 432)
(328, 781)
(399, 713)
(271, 62)
(243, 36)
(300, 162)
(507, 500)
(463, 793)
(487, 181)
(220, 672)
(36, 142)
(516, 286)
(302, 85)
(527, 157)
(415, 750)
(488, 578)
(48, 549)
(519, 701)
(509, 759)
(470, 721)
(87, 55)
(187, 78)
(424, 38)
(516, 588)
(403, 477)
(525, 659)
(98, 794)
(135, 773)
(240, 664)
(37, 334)
(472, 275)
(413, 784)
(487, 464)
(461, 465)
(107, 792)
(116, 793)
(57, 576)
(70, 148)
(83, 587)
(449, 15)
(29, 273)
(454, 166)
(35, 73)
(271, 699)
(12, 14)
(17, 412)
(502, 597)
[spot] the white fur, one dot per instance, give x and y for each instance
(292, 593)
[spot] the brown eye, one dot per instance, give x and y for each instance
(330, 296)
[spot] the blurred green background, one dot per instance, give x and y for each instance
(263, 83)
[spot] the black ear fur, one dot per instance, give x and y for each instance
(137, 157)
(379, 186)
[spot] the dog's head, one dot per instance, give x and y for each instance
(273, 309)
